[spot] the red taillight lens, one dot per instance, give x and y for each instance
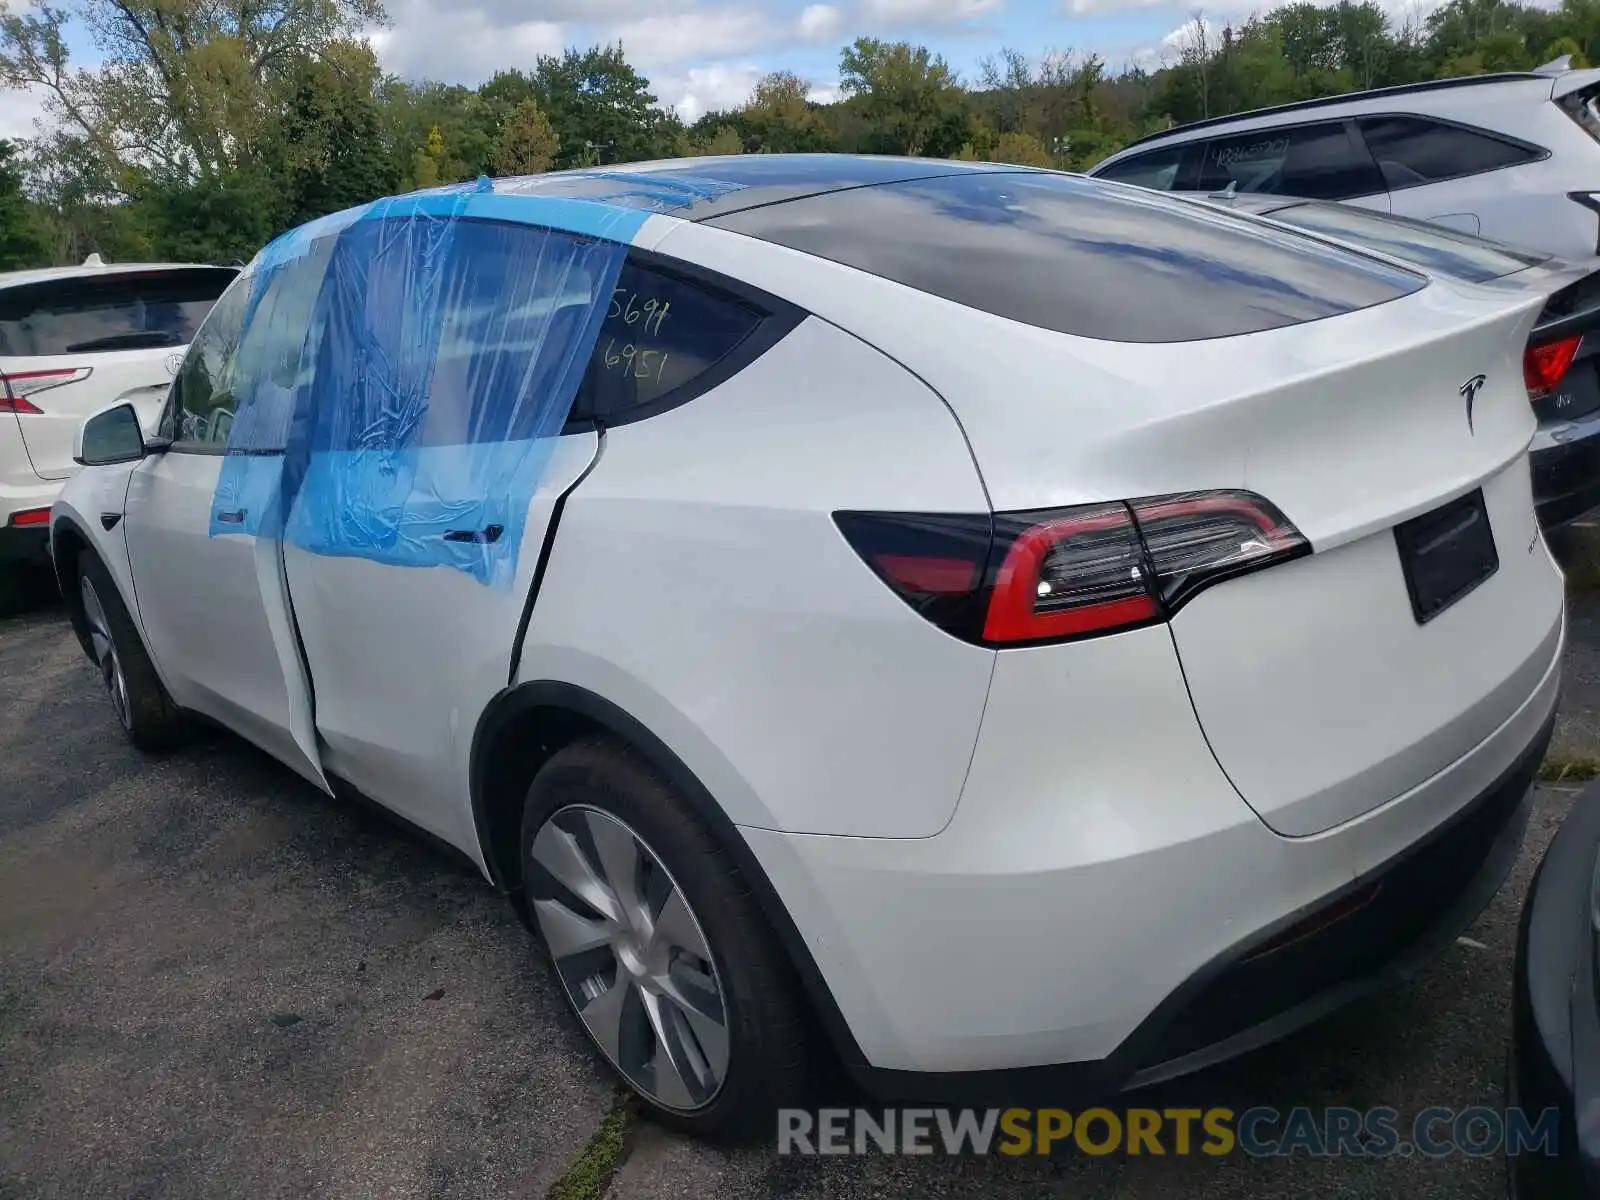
(1543, 367)
(1020, 578)
(935, 562)
(31, 516)
(16, 387)
(1074, 572)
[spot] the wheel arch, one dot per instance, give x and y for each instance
(525, 725)
(69, 541)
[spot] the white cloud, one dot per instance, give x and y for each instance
(825, 93)
(1191, 33)
(908, 12)
(461, 45)
(820, 23)
(714, 88)
(1167, 50)
(670, 38)
(1079, 8)
(675, 37)
(1398, 11)
(18, 112)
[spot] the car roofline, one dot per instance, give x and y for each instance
(28, 276)
(1403, 89)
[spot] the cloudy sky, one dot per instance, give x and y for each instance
(702, 56)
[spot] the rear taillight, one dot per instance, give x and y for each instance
(1543, 367)
(1053, 575)
(30, 516)
(16, 387)
(1064, 574)
(1200, 538)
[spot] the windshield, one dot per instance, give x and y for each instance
(1432, 247)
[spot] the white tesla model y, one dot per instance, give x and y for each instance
(1005, 626)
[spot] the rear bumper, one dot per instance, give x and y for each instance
(1555, 1047)
(21, 490)
(1565, 462)
(1369, 935)
(1068, 936)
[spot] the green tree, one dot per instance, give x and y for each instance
(426, 160)
(1565, 45)
(184, 89)
(1021, 148)
(468, 127)
(910, 97)
(780, 120)
(220, 219)
(726, 140)
(601, 108)
(327, 147)
(22, 241)
(527, 144)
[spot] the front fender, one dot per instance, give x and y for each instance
(92, 500)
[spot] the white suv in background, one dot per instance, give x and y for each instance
(72, 341)
(1515, 157)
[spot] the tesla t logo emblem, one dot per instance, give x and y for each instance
(174, 361)
(1469, 392)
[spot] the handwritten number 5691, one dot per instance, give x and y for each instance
(649, 315)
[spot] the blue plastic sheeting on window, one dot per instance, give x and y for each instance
(404, 367)
(407, 376)
(450, 357)
(267, 374)
(665, 192)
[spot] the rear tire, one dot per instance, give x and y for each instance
(147, 714)
(658, 948)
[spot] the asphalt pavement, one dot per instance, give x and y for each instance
(217, 982)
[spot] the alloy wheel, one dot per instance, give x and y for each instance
(105, 651)
(632, 956)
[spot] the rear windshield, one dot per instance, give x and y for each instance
(1432, 247)
(134, 310)
(1081, 256)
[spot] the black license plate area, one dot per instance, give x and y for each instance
(1446, 553)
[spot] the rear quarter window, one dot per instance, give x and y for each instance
(133, 310)
(1080, 256)
(663, 339)
(1416, 150)
(1157, 169)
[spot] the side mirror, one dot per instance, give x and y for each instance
(111, 436)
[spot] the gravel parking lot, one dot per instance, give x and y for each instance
(215, 981)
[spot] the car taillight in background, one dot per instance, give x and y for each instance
(1053, 575)
(1544, 366)
(16, 387)
(29, 518)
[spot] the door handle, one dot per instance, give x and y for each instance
(489, 533)
(232, 516)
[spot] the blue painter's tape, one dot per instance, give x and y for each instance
(587, 218)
